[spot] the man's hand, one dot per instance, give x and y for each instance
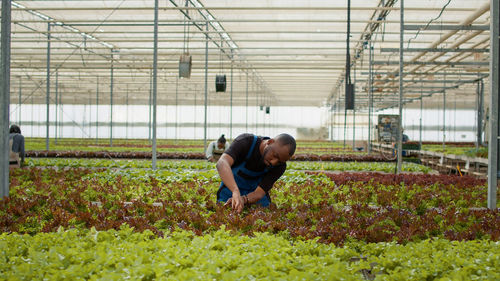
(237, 202)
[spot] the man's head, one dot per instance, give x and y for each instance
(221, 142)
(278, 150)
(14, 129)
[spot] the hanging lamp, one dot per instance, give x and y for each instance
(220, 79)
(185, 60)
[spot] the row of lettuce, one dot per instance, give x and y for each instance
(127, 255)
(82, 219)
(138, 145)
(332, 207)
(197, 146)
(204, 165)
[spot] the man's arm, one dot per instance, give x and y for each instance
(255, 196)
(224, 168)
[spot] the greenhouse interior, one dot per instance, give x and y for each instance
(250, 140)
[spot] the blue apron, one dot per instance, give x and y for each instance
(246, 180)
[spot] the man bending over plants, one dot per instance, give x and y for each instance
(250, 167)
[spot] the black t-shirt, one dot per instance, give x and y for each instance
(238, 150)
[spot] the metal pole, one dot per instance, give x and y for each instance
(353, 129)
(455, 119)
(19, 109)
(97, 111)
(246, 106)
(348, 66)
(57, 95)
(111, 102)
(176, 104)
(345, 123)
(256, 106)
(60, 115)
(480, 105)
(155, 77)
(90, 116)
(370, 98)
(400, 122)
(194, 109)
(331, 122)
(48, 87)
(444, 121)
(354, 118)
(339, 128)
(32, 110)
(206, 91)
(421, 117)
(150, 101)
(494, 135)
(126, 114)
(231, 105)
(4, 106)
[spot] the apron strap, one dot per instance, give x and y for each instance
(251, 148)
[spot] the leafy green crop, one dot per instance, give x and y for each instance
(204, 165)
(119, 255)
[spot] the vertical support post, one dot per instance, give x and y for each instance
(480, 105)
(400, 122)
(194, 109)
(97, 111)
(455, 119)
(444, 120)
(345, 124)
(354, 129)
(231, 104)
(126, 113)
(150, 101)
(47, 96)
(494, 135)
(421, 117)
(246, 106)
(176, 105)
(32, 110)
(4, 104)
(57, 96)
(256, 106)
(90, 116)
(347, 66)
(111, 102)
(206, 90)
(20, 101)
(370, 97)
(61, 123)
(331, 122)
(155, 77)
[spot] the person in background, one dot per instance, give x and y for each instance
(16, 146)
(215, 149)
(405, 137)
(250, 167)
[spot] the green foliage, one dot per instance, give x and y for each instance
(124, 254)
(204, 165)
(356, 166)
(185, 237)
(468, 150)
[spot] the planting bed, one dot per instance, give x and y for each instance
(117, 219)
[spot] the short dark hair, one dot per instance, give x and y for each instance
(286, 139)
(222, 139)
(14, 129)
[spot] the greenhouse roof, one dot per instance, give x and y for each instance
(290, 53)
